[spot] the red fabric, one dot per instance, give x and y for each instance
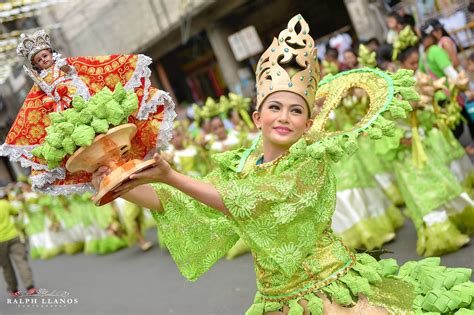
(96, 72)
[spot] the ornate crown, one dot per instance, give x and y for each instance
(31, 44)
(289, 64)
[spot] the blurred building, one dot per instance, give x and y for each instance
(188, 39)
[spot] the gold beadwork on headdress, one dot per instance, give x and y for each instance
(289, 64)
(31, 44)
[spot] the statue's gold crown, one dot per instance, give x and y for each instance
(31, 44)
(289, 64)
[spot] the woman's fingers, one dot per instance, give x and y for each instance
(148, 173)
(128, 185)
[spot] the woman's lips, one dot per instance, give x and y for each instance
(282, 130)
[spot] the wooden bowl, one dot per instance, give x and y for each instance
(107, 150)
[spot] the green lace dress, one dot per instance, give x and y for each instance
(283, 210)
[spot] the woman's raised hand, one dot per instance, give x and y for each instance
(99, 175)
(159, 172)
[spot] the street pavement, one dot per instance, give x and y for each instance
(134, 282)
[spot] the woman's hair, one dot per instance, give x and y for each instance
(330, 51)
(409, 20)
(216, 116)
(396, 16)
(432, 25)
(351, 50)
(373, 40)
(406, 53)
(384, 54)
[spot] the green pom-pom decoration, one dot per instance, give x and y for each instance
(100, 125)
(69, 145)
(115, 113)
(98, 111)
(406, 106)
(350, 146)
(119, 93)
(38, 152)
(316, 150)
(375, 133)
(397, 112)
(56, 117)
(51, 129)
(53, 164)
(299, 148)
(55, 139)
(130, 104)
(66, 127)
(83, 135)
(335, 150)
(79, 103)
(387, 126)
(104, 96)
(401, 74)
(85, 117)
(71, 115)
(408, 93)
(405, 82)
(53, 154)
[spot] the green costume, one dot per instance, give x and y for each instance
(282, 210)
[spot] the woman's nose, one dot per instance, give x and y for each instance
(283, 115)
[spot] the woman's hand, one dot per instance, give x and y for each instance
(159, 172)
(99, 175)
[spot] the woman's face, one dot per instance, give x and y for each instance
(206, 126)
(218, 128)
(43, 59)
(235, 118)
(411, 63)
(350, 59)
(392, 23)
(437, 33)
(283, 119)
(428, 41)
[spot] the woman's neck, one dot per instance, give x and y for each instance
(272, 152)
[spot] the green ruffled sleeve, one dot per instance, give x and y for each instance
(196, 235)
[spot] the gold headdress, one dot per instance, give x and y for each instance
(31, 44)
(293, 49)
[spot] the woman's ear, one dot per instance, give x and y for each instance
(309, 124)
(256, 119)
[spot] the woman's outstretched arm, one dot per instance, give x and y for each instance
(140, 192)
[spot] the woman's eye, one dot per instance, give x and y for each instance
(297, 111)
(274, 107)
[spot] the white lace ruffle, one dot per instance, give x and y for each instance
(66, 189)
(17, 153)
(142, 70)
(48, 177)
(169, 114)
